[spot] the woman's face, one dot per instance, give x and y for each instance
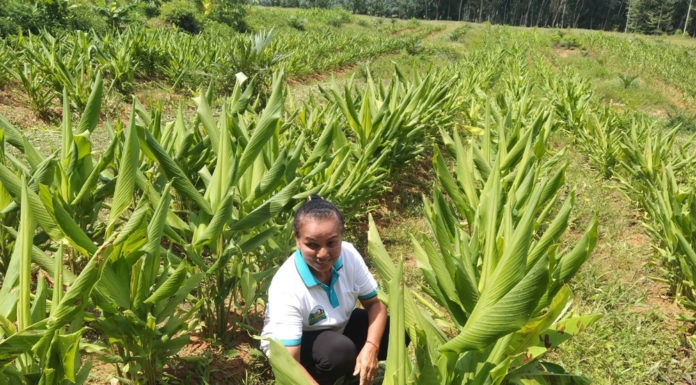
(319, 242)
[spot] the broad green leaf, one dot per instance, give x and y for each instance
(396, 369)
(134, 222)
(89, 185)
(552, 233)
(170, 286)
(570, 263)
(13, 185)
(508, 314)
(38, 305)
(67, 138)
(90, 116)
(206, 117)
(58, 278)
(287, 371)
(323, 143)
(69, 228)
(172, 170)
(272, 178)
(265, 126)
(113, 286)
(529, 334)
(76, 298)
(69, 352)
(258, 240)
(448, 182)
(17, 139)
(268, 209)
(554, 336)
(125, 179)
(24, 244)
(17, 344)
(151, 262)
(217, 223)
(511, 268)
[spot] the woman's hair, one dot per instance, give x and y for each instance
(316, 208)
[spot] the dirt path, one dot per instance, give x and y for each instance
(667, 97)
(303, 86)
(639, 339)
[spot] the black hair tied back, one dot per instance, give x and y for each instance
(316, 208)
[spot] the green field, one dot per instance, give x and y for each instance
(524, 185)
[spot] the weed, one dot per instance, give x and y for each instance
(685, 119)
(297, 23)
(414, 46)
(413, 23)
(562, 40)
(338, 17)
(182, 14)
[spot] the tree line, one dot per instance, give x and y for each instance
(643, 16)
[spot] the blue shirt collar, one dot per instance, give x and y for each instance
(306, 274)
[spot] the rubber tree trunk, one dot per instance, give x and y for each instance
(659, 19)
(628, 15)
(686, 23)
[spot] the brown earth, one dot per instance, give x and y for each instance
(202, 358)
(402, 31)
(14, 106)
(626, 252)
(675, 96)
(563, 52)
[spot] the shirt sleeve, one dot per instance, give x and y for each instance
(364, 280)
(284, 319)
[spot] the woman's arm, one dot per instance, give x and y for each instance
(295, 352)
(366, 364)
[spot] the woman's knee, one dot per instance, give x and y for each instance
(334, 352)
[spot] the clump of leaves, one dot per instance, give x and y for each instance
(413, 23)
(459, 33)
(683, 119)
(562, 40)
(230, 13)
(338, 17)
(627, 79)
(414, 46)
(183, 14)
(297, 23)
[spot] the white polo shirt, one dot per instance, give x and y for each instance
(298, 302)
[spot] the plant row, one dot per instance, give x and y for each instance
(45, 64)
(658, 58)
(121, 253)
(494, 297)
(176, 225)
(654, 165)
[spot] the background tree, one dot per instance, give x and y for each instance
(642, 16)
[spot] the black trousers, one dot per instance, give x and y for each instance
(328, 355)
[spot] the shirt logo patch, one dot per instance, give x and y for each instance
(317, 314)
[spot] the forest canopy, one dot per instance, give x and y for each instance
(644, 16)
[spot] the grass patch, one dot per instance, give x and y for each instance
(638, 339)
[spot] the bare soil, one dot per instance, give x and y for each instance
(675, 96)
(203, 359)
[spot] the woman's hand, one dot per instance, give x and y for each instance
(366, 364)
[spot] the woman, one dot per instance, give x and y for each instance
(311, 301)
